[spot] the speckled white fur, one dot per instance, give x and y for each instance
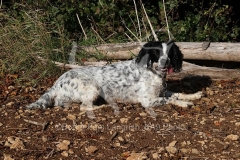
(119, 82)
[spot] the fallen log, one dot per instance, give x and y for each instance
(189, 69)
(214, 73)
(218, 51)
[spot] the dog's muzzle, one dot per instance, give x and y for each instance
(167, 68)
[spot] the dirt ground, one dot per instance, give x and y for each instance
(208, 130)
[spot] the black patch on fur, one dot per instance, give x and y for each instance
(150, 53)
(176, 57)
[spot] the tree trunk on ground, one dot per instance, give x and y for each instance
(188, 70)
(214, 73)
(191, 50)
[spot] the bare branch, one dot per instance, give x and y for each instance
(44, 124)
(98, 35)
(166, 20)
(130, 30)
(153, 32)
(81, 26)
(139, 28)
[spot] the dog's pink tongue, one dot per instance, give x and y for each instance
(170, 70)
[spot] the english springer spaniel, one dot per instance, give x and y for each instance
(134, 81)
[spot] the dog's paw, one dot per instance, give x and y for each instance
(197, 95)
(183, 104)
(35, 106)
(90, 114)
(188, 97)
(151, 112)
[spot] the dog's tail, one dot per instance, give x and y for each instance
(43, 102)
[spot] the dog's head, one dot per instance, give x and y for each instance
(167, 56)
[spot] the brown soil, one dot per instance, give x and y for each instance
(208, 130)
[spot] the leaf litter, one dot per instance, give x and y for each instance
(208, 130)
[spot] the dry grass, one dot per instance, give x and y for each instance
(21, 41)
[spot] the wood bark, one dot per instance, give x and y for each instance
(217, 51)
(214, 73)
(188, 70)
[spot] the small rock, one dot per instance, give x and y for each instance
(44, 138)
(64, 153)
(70, 151)
(113, 121)
(64, 145)
(184, 150)
(172, 144)
(237, 124)
(203, 121)
(47, 112)
(10, 104)
(7, 157)
(71, 116)
(124, 120)
(1, 124)
(188, 143)
(171, 149)
(166, 120)
(143, 114)
(160, 149)
(125, 154)
(201, 142)
(184, 143)
(136, 156)
(195, 151)
(233, 137)
(117, 144)
(91, 149)
(14, 143)
(121, 139)
(155, 155)
(222, 119)
(205, 99)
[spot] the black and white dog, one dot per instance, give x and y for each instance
(134, 81)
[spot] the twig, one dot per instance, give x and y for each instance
(110, 35)
(166, 20)
(153, 32)
(130, 30)
(44, 124)
(16, 129)
(133, 24)
(59, 64)
(139, 28)
(81, 27)
(49, 154)
(1, 4)
(98, 35)
(100, 3)
(129, 37)
(91, 109)
(210, 12)
(147, 35)
(114, 135)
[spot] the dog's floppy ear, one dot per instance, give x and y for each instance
(169, 45)
(143, 58)
(149, 54)
(175, 55)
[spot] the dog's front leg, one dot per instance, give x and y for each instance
(185, 97)
(148, 103)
